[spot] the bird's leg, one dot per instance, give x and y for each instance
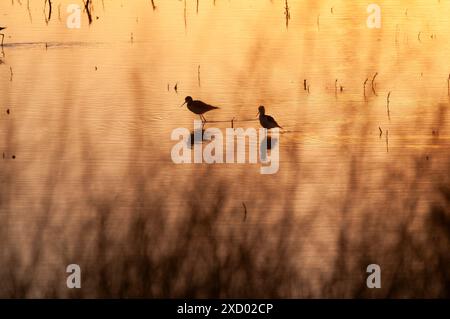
(3, 37)
(203, 123)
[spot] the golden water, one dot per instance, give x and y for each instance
(92, 107)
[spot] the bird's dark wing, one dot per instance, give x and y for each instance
(206, 106)
(272, 120)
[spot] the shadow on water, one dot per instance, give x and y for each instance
(197, 137)
(267, 143)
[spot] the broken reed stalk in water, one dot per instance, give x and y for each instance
(365, 82)
(87, 7)
(287, 13)
(47, 19)
(373, 85)
(387, 105)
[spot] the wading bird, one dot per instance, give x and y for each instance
(198, 107)
(3, 36)
(266, 121)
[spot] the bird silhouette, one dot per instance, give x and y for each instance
(266, 121)
(198, 107)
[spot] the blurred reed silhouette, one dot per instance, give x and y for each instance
(135, 243)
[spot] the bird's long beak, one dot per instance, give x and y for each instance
(257, 114)
(182, 104)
